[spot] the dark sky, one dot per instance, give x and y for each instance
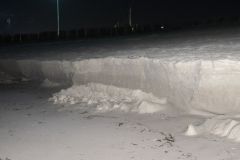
(40, 15)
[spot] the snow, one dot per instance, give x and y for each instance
(198, 86)
(31, 127)
(6, 79)
(174, 96)
(110, 98)
(220, 125)
(197, 71)
(50, 84)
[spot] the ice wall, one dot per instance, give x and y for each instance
(198, 86)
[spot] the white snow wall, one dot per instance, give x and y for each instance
(211, 86)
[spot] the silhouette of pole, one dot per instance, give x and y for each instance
(58, 19)
(130, 16)
(130, 13)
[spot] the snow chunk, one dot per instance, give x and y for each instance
(220, 126)
(110, 98)
(149, 107)
(49, 84)
(191, 131)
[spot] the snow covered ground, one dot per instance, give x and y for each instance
(173, 96)
(32, 127)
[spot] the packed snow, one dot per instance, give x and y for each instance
(173, 96)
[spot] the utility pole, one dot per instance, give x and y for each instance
(130, 16)
(58, 19)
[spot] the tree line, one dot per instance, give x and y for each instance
(116, 30)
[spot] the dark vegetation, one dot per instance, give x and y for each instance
(85, 33)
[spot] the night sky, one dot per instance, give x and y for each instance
(40, 15)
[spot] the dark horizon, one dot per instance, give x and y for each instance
(36, 16)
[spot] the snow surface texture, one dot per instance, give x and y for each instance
(198, 86)
(109, 98)
(219, 125)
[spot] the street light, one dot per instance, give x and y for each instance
(58, 19)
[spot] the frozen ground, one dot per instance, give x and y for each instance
(167, 97)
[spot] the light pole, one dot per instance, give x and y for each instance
(58, 19)
(130, 17)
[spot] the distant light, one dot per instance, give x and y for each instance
(162, 27)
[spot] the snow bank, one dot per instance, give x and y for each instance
(199, 86)
(220, 126)
(109, 98)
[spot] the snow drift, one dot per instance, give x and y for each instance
(219, 125)
(197, 85)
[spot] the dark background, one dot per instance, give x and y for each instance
(40, 15)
